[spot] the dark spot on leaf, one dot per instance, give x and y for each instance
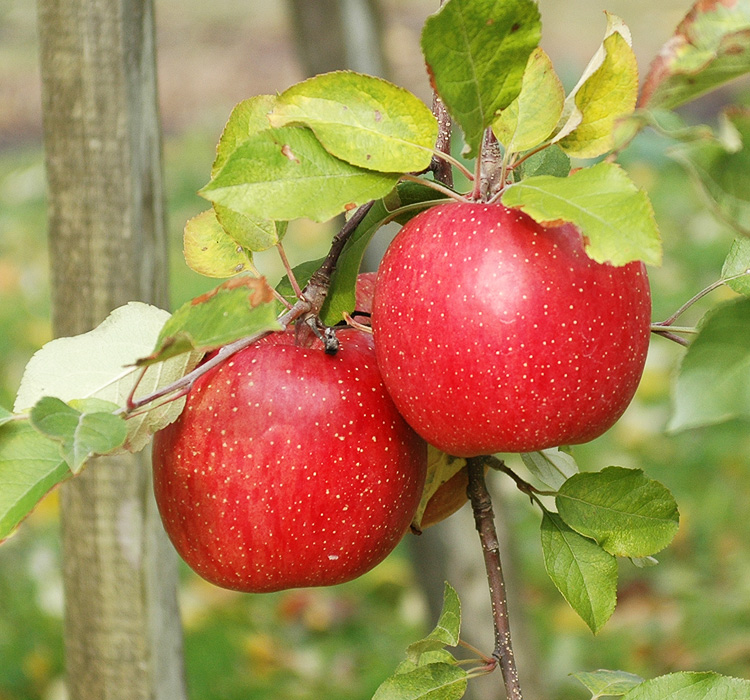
(368, 156)
(378, 116)
(350, 206)
(288, 153)
(490, 22)
(515, 28)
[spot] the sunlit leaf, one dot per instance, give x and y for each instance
(736, 270)
(628, 514)
(285, 173)
(30, 465)
(552, 466)
(607, 684)
(691, 686)
(476, 52)
(532, 116)
(709, 47)
(240, 307)
(713, 384)
(437, 681)
(100, 364)
(363, 120)
(247, 118)
(209, 250)
(607, 91)
(447, 630)
(92, 430)
(614, 216)
(251, 233)
(583, 572)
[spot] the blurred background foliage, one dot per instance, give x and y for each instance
(692, 611)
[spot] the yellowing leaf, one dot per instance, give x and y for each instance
(532, 116)
(607, 91)
(363, 120)
(209, 250)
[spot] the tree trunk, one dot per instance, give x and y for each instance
(108, 247)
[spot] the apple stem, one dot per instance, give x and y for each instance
(289, 272)
(484, 518)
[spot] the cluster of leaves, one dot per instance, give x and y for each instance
(338, 141)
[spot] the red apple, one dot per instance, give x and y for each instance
(496, 334)
(288, 467)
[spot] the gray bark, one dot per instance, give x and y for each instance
(107, 247)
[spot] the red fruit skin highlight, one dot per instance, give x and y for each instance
(288, 467)
(496, 334)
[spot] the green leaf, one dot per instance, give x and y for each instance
(532, 116)
(549, 161)
(583, 572)
(713, 384)
(628, 514)
(691, 686)
(476, 52)
(302, 273)
(209, 250)
(5, 416)
(552, 466)
(428, 657)
(100, 364)
(437, 681)
(736, 270)
(341, 294)
(94, 430)
(363, 120)
(614, 216)
(283, 174)
(447, 630)
(722, 174)
(607, 684)
(240, 307)
(30, 465)
(709, 47)
(247, 118)
(606, 92)
(251, 233)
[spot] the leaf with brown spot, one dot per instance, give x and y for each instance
(710, 47)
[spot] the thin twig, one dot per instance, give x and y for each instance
(484, 518)
(440, 167)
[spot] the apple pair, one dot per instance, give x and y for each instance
(289, 467)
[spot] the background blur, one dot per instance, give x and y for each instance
(690, 612)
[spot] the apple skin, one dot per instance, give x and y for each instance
(496, 334)
(288, 467)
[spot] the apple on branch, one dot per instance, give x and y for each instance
(288, 467)
(496, 334)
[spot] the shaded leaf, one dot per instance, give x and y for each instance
(5, 416)
(614, 216)
(583, 572)
(607, 684)
(238, 308)
(691, 686)
(437, 681)
(628, 514)
(99, 364)
(209, 250)
(363, 120)
(722, 174)
(549, 161)
(285, 173)
(476, 52)
(552, 466)
(30, 465)
(406, 196)
(709, 47)
(736, 269)
(713, 383)
(441, 467)
(532, 116)
(93, 430)
(607, 91)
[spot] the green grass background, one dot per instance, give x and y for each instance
(690, 612)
